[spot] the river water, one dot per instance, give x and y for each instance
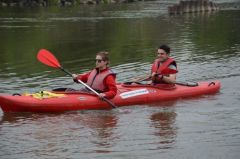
(206, 47)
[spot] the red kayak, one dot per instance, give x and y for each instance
(128, 94)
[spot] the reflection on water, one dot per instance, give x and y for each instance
(14, 118)
(164, 123)
(102, 126)
(50, 130)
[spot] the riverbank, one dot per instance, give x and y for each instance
(45, 3)
(232, 4)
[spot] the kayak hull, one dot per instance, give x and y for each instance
(127, 95)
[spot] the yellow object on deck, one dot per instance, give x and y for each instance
(44, 95)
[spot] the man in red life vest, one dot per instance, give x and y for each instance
(164, 68)
(101, 78)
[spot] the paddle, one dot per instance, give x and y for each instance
(166, 71)
(49, 59)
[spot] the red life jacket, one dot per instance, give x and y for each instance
(96, 79)
(163, 69)
(159, 69)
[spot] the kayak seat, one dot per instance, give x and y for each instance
(72, 91)
(63, 89)
(16, 94)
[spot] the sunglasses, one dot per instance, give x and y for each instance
(98, 60)
(161, 53)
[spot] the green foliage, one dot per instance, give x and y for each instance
(53, 2)
(105, 1)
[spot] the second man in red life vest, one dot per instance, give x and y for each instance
(164, 68)
(101, 78)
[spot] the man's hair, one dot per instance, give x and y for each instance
(165, 48)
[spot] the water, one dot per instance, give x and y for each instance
(206, 47)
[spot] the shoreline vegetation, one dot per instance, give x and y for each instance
(61, 3)
(180, 7)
